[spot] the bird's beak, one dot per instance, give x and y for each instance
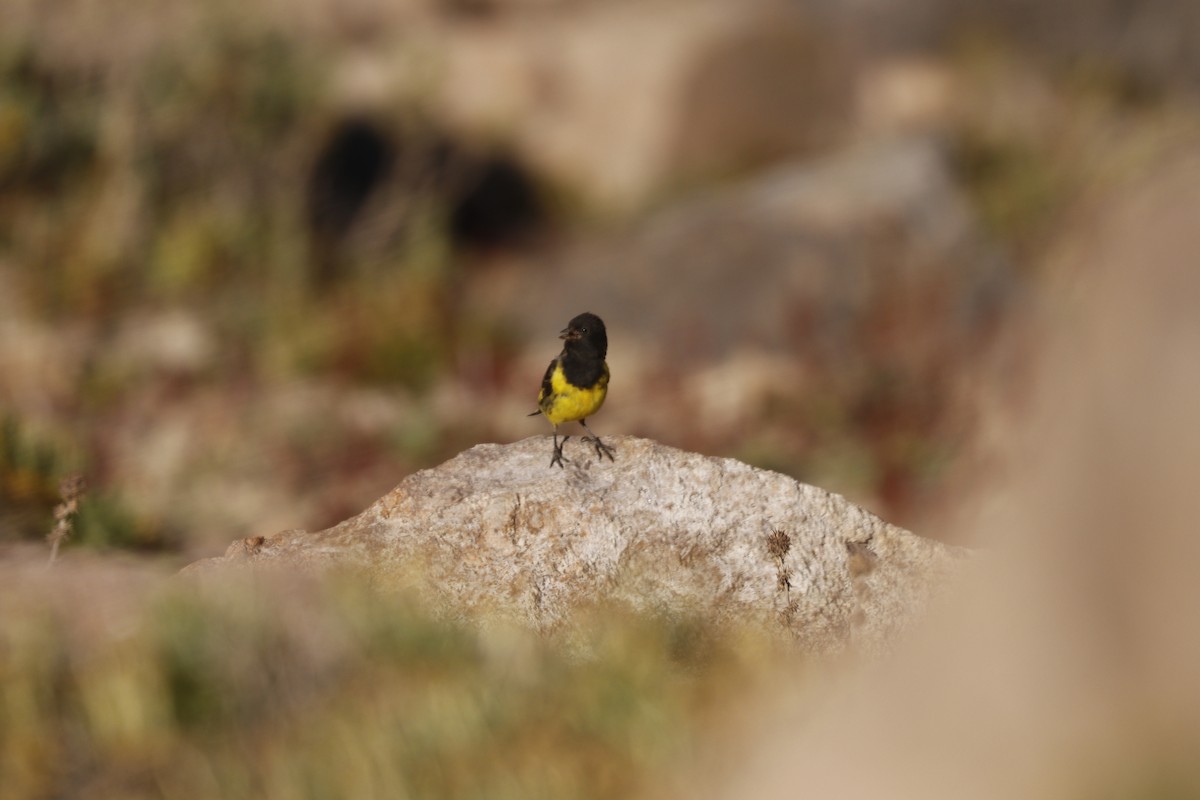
(567, 333)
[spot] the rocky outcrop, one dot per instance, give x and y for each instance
(497, 530)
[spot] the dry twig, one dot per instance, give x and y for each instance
(72, 488)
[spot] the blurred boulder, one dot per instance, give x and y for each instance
(617, 102)
(497, 529)
(810, 256)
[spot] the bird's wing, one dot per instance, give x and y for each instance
(547, 387)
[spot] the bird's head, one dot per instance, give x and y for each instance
(586, 331)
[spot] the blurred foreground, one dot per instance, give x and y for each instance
(118, 686)
(1069, 668)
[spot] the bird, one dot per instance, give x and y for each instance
(576, 383)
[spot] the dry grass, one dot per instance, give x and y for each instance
(72, 490)
(292, 689)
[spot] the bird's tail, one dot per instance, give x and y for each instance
(535, 413)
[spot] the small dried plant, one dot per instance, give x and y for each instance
(71, 490)
(778, 545)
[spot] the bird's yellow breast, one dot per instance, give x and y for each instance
(567, 402)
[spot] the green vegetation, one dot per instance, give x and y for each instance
(175, 173)
(31, 468)
(306, 691)
(162, 168)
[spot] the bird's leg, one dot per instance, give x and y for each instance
(602, 449)
(557, 458)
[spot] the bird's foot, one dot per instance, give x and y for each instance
(602, 449)
(557, 457)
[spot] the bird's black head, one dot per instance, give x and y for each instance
(585, 335)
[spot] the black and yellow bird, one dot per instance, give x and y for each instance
(576, 382)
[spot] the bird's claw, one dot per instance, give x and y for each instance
(602, 449)
(557, 457)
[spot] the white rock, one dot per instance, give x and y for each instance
(496, 529)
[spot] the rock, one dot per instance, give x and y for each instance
(617, 103)
(807, 257)
(496, 529)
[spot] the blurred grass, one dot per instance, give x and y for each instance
(304, 690)
(162, 163)
(31, 467)
(1035, 134)
(177, 175)
(162, 167)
